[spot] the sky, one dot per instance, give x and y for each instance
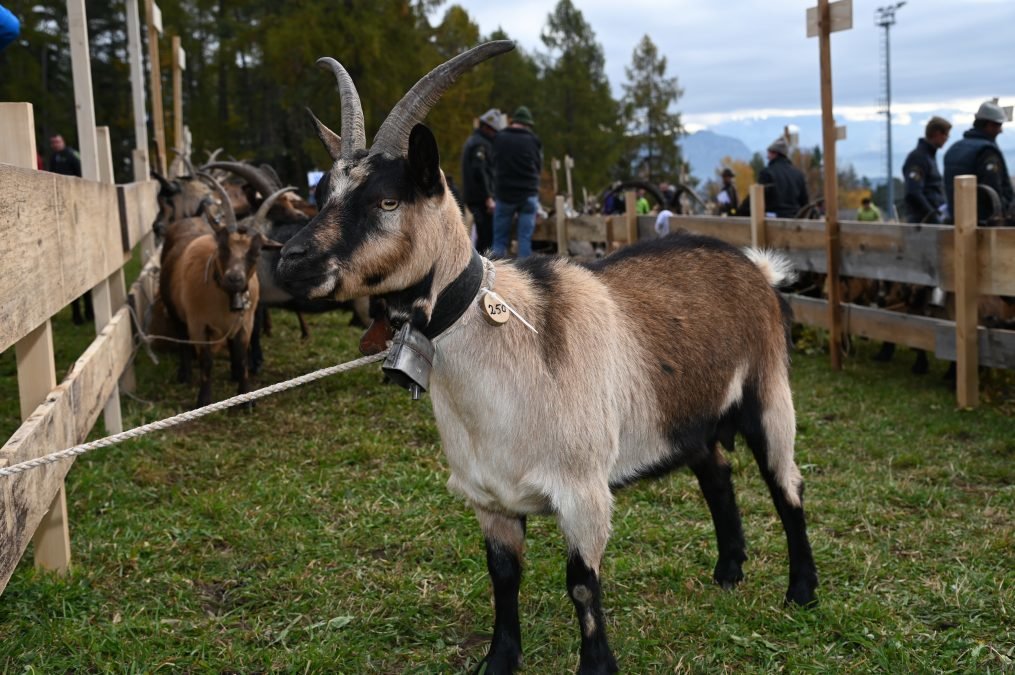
(747, 67)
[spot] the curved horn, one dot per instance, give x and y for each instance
(249, 173)
(269, 171)
(186, 162)
(227, 206)
(262, 212)
(212, 156)
(393, 136)
(165, 185)
(353, 129)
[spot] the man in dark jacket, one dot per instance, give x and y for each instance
(977, 154)
(925, 191)
(518, 163)
(477, 176)
(64, 159)
(785, 188)
(727, 197)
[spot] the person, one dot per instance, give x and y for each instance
(518, 163)
(642, 207)
(63, 159)
(727, 197)
(669, 193)
(925, 192)
(477, 175)
(785, 188)
(10, 27)
(977, 154)
(868, 213)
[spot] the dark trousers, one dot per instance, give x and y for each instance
(484, 227)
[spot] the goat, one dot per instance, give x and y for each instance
(209, 285)
(287, 216)
(697, 337)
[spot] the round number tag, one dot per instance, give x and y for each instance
(494, 310)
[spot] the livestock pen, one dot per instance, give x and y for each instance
(968, 260)
(315, 534)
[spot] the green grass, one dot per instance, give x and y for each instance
(315, 534)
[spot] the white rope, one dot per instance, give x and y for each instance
(177, 420)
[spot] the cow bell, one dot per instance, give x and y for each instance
(409, 361)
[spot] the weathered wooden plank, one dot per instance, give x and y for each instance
(733, 230)
(877, 324)
(62, 420)
(967, 381)
(995, 347)
(138, 209)
(50, 222)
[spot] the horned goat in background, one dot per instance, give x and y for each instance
(208, 283)
(697, 339)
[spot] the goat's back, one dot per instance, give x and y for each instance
(704, 314)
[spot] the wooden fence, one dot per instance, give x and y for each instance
(965, 260)
(62, 236)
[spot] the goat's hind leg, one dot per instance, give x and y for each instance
(713, 473)
(768, 424)
(505, 543)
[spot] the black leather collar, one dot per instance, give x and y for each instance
(456, 298)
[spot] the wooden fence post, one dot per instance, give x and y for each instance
(140, 155)
(34, 352)
(560, 212)
(154, 16)
(967, 384)
(178, 65)
(631, 216)
(568, 165)
(757, 194)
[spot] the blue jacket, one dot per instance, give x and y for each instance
(10, 27)
(925, 190)
(978, 155)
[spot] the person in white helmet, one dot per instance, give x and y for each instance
(978, 154)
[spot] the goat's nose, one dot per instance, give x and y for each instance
(294, 250)
(234, 278)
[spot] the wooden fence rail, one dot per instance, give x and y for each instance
(62, 237)
(965, 260)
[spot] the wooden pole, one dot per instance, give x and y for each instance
(568, 165)
(178, 141)
(832, 243)
(158, 121)
(559, 205)
(631, 216)
(140, 154)
(758, 239)
(967, 385)
(554, 168)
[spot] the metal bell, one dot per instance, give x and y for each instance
(409, 360)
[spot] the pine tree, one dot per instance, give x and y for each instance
(578, 115)
(651, 128)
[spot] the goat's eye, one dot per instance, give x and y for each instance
(389, 204)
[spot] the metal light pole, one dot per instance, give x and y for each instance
(886, 19)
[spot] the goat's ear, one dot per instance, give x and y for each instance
(332, 141)
(271, 245)
(425, 161)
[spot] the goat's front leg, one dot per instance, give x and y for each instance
(238, 348)
(204, 392)
(584, 517)
(505, 543)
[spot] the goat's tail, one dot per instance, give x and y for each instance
(776, 267)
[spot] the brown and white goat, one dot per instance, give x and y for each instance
(697, 344)
(209, 285)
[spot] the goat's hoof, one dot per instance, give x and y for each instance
(728, 573)
(801, 593)
(506, 660)
(605, 667)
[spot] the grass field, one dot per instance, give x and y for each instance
(315, 535)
